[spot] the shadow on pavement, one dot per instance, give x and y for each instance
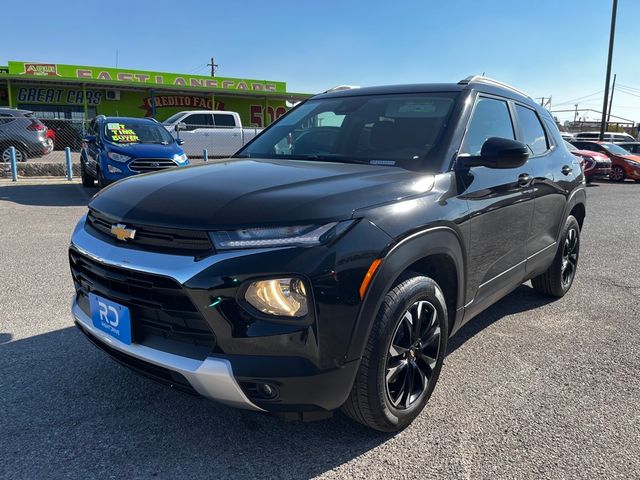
(68, 408)
(521, 299)
(47, 195)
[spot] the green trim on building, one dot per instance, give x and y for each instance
(70, 91)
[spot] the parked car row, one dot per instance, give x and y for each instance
(614, 137)
(624, 163)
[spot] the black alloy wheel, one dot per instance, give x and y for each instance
(412, 354)
(569, 257)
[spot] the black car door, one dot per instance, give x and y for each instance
(500, 208)
(556, 172)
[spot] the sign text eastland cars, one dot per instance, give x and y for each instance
(141, 76)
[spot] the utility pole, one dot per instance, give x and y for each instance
(612, 33)
(613, 88)
(214, 67)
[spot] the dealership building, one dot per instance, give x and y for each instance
(79, 92)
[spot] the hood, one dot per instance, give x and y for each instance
(253, 192)
(148, 150)
(632, 157)
(590, 154)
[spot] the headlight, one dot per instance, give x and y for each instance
(301, 236)
(118, 157)
(279, 296)
(180, 158)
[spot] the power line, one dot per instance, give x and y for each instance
(579, 98)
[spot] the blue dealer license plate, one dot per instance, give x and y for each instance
(111, 317)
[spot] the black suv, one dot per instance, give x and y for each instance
(327, 264)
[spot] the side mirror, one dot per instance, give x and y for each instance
(180, 127)
(498, 152)
(90, 138)
(179, 141)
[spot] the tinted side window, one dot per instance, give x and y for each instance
(490, 119)
(224, 120)
(198, 120)
(533, 133)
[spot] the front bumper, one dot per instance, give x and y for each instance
(305, 363)
(212, 378)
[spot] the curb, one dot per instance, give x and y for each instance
(38, 169)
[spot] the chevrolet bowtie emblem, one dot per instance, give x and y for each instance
(122, 232)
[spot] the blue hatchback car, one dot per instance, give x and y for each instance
(119, 147)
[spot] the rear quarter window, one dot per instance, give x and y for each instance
(533, 133)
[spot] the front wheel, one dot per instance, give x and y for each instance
(101, 180)
(87, 180)
(617, 173)
(403, 356)
(557, 280)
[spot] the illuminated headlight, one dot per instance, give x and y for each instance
(118, 157)
(300, 236)
(180, 158)
(113, 169)
(279, 296)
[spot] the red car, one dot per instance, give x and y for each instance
(594, 165)
(623, 163)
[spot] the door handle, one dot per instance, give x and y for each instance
(566, 170)
(524, 179)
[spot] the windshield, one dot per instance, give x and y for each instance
(376, 129)
(570, 147)
(615, 149)
(173, 118)
(131, 131)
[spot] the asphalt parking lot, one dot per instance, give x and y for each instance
(532, 388)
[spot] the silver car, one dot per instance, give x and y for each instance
(20, 129)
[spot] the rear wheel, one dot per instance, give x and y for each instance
(21, 155)
(557, 280)
(617, 173)
(403, 356)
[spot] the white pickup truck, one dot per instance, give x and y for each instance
(219, 132)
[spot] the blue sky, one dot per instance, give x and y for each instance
(544, 47)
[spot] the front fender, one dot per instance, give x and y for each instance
(432, 241)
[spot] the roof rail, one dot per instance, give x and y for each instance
(490, 81)
(341, 87)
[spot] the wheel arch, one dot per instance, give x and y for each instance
(437, 252)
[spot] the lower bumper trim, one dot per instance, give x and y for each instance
(212, 378)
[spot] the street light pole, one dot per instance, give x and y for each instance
(603, 123)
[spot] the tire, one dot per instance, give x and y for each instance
(87, 180)
(617, 174)
(101, 181)
(557, 280)
(381, 397)
(21, 154)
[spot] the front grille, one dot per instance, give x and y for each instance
(159, 374)
(144, 165)
(159, 305)
(603, 165)
(160, 239)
